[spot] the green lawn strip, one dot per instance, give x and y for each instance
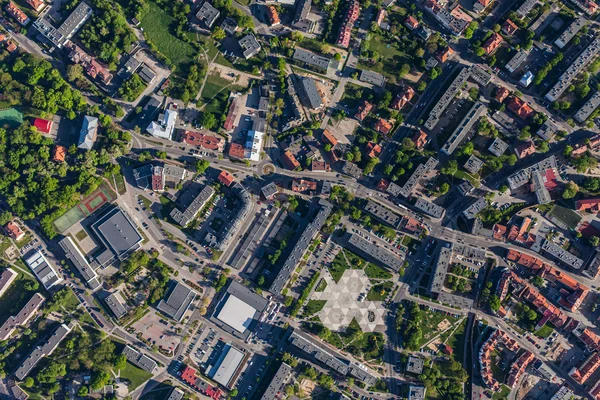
(21, 243)
(313, 307)
(380, 291)
(147, 202)
(502, 394)
(4, 245)
(497, 372)
(81, 235)
(71, 303)
(214, 84)
(155, 22)
(135, 375)
(457, 340)
(376, 272)
(120, 182)
(544, 332)
(321, 286)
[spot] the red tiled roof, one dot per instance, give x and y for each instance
(373, 150)
(519, 107)
(272, 15)
(11, 46)
(226, 178)
(43, 125)
(588, 205)
(35, 4)
(420, 139)
(444, 54)
(411, 22)
(363, 110)
(525, 149)
(403, 97)
(289, 160)
(492, 43)
(13, 230)
(501, 93)
(236, 150)
(509, 27)
(329, 138)
(383, 185)
(583, 373)
(205, 141)
(16, 12)
(188, 375)
(383, 126)
(59, 153)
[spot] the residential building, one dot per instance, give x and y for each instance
(363, 110)
(570, 32)
(37, 5)
(269, 191)
(7, 277)
(516, 61)
(498, 147)
(415, 365)
(416, 392)
(309, 94)
(444, 54)
(492, 44)
(411, 23)
(473, 164)
(165, 125)
(273, 16)
(226, 178)
(312, 61)
(416, 177)
(42, 269)
(463, 128)
(205, 141)
(40, 352)
(374, 78)
(17, 13)
(254, 143)
(525, 150)
(509, 27)
(275, 390)
(116, 304)
(586, 370)
(525, 8)
(250, 46)
(43, 125)
(372, 150)
(447, 97)
(177, 301)
(383, 214)
(588, 205)
(521, 108)
(79, 261)
(71, 25)
(302, 22)
(420, 139)
(475, 208)
(139, 360)
(345, 32)
(90, 65)
(588, 108)
(383, 126)
(547, 130)
(526, 79)
(373, 252)
(403, 97)
(429, 208)
(14, 231)
(480, 5)
(28, 311)
(587, 6)
(233, 113)
(229, 25)
(455, 20)
(501, 94)
(352, 169)
(329, 138)
(207, 14)
(522, 177)
(574, 69)
(290, 161)
(303, 185)
(183, 218)
(88, 133)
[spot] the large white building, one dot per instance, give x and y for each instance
(164, 127)
(254, 144)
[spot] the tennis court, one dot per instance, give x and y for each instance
(11, 117)
(85, 208)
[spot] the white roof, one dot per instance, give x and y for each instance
(163, 128)
(254, 145)
(227, 367)
(236, 314)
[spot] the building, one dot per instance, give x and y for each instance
(238, 310)
(525, 149)
(345, 32)
(226, 178)
(383, 214)
(526, 79)
(301, 246)
(17, 13)
(304, 185)
(116, 304)
(139, 360)
(352, 169)
(480, 5)
(429, 208)
(37, 5)
(475, 208)
(329, 138)
(88, 133)
(473, 164)
(331, 358)
(588, 108)
(73, 254)
(492, 44)
(186, 216)
(515, 62)
(14, 231)
(463, 128)
(147, 74)
(229, 25)
(273, 16)
(42, 351)
(420, 140)
(309, 94)
(592, 270)
(455, 19)
(444, 54)
(43, 125)
(42, 269)
(280, 380)
(226, 366)
(411, 23)
(564, 393)
(236, 151)
(525, 8)
(207, 142)
(521, 108)
(371, 77)
(254, 143)
(570, 32)
(363, 110)
(90, 65)
(414, 179)
(501, 94)
(447, 97)
(588, 205)
(587, 6)
(207, 14)
(509, 27)
(250, 46)
(7, 277)
(312, 61)
(523, 176)
(574, 69)
(403, 97)
(417, 392)
(301, 21)
(28, 311)
(71, 25)
(177, 301)
(176, 394)
(290, 161)
(415, 365)
(586, 370)
(164, 126)
(383, 126)
(118, 235)
(373, 150)
(232, 114)
(373, 252)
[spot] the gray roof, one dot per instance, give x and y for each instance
(526, 7)
(570, 32)
(415, 365)
(281, 378)
(176, 394)
(465, 188)
(383, 214)
(177, 302)
(416, 392)
(185, 217)
(88, 133)
(138, 359)
(40, 352)
(561, 254)
(73, 253)
(229, 25)
(207, 14)
(371, 77)
(447, 97)
(300, 247)
(302, 10)
(309, 93)
(473, 164)
(416, 176)
(498, 147)
(173, 171)
(42, 269)
(251, 242)
(249, 45)
(474, 209)
(263, 105)
(224, 369)
(588, 108)
(574, 69)
(6, 279)
(429, 208)
(75, 20)
(352, 169)
(116, 303)
(523, 176)
(147, 74)
(312, 59)
(373, 252)
(441, 269)
(463, 128)
(22, 317)
(269, 190)
(118, 233)
(547, 130)
(516, 61)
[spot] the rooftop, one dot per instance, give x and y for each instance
(177, 301)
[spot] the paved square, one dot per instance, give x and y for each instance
(342, 304)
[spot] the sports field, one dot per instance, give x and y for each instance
(85, 208)
(11, 117)
(566, 216)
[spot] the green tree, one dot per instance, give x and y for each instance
(571, 190)
(208, 120)
(494, 303)
(218, 33)
(202, 166)
(450, 168)
(28, 382)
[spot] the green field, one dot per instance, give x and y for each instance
(214, 84)
(313, 307)
(380, 291)
(11, 117)
(15, 296)
(135, 375)
(392, 57)
(375, 272)
(568, 217)
(156, 22)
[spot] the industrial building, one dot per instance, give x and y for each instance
(119, 236)
(177, 301)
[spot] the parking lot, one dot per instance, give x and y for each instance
(158, 331)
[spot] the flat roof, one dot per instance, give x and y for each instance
(225, 367)
(117, 232)
(177, 302)
(311, 58)
(40, 352)
(73, 253)
(374, 253)
(116, 303)
(42, 269)
(236, 314)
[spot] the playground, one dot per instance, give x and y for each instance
(85, 208)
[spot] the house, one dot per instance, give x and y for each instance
(492, 44)
(501, 94)
(43, 125)
(204, 141)
(524, 150)
(420, 139)
(329, 138)
(250, 46)
(237, 151)
(444, 54)
(403, 97)
(11, 46)
(16, 13)
(226, 178)
(37, 5)
(411, 23)
(289, 160)
(363, 110)
(509, 27)
(269, 191)
(309, 93)
(589, 205)
(164, 126)
(14, 231)
(320, 166)
(91, 67)
(481, 5)
(207, 14)
(383, 126)
(58, 153)
(521, 108)
(273, 16)
(380, 17)
(526, 79)
(303, 185)
(88, 133)
(229, 25)
(373, 150)
(345, 33)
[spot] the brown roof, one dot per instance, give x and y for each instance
(329, 138)
(226, 178)
(13, 230)
(289, 160)
(236, 151)
(59, 153)
(383, 126)
(205, 141)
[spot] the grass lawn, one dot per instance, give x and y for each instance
(544, 332)
(81, 235)
(502, 394)
(376, 272)
(353, 94)
(391, 59)
(72, 302)
(457, 341)
(313, 307)
(156, 22)
(321, 286)
(147, 202)
(21, 243)
(135, 375)
(429, 324)
(214, 84)
(120, 182)
(380, 291)
(4, 244)
(568, 217)
(15, 296)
